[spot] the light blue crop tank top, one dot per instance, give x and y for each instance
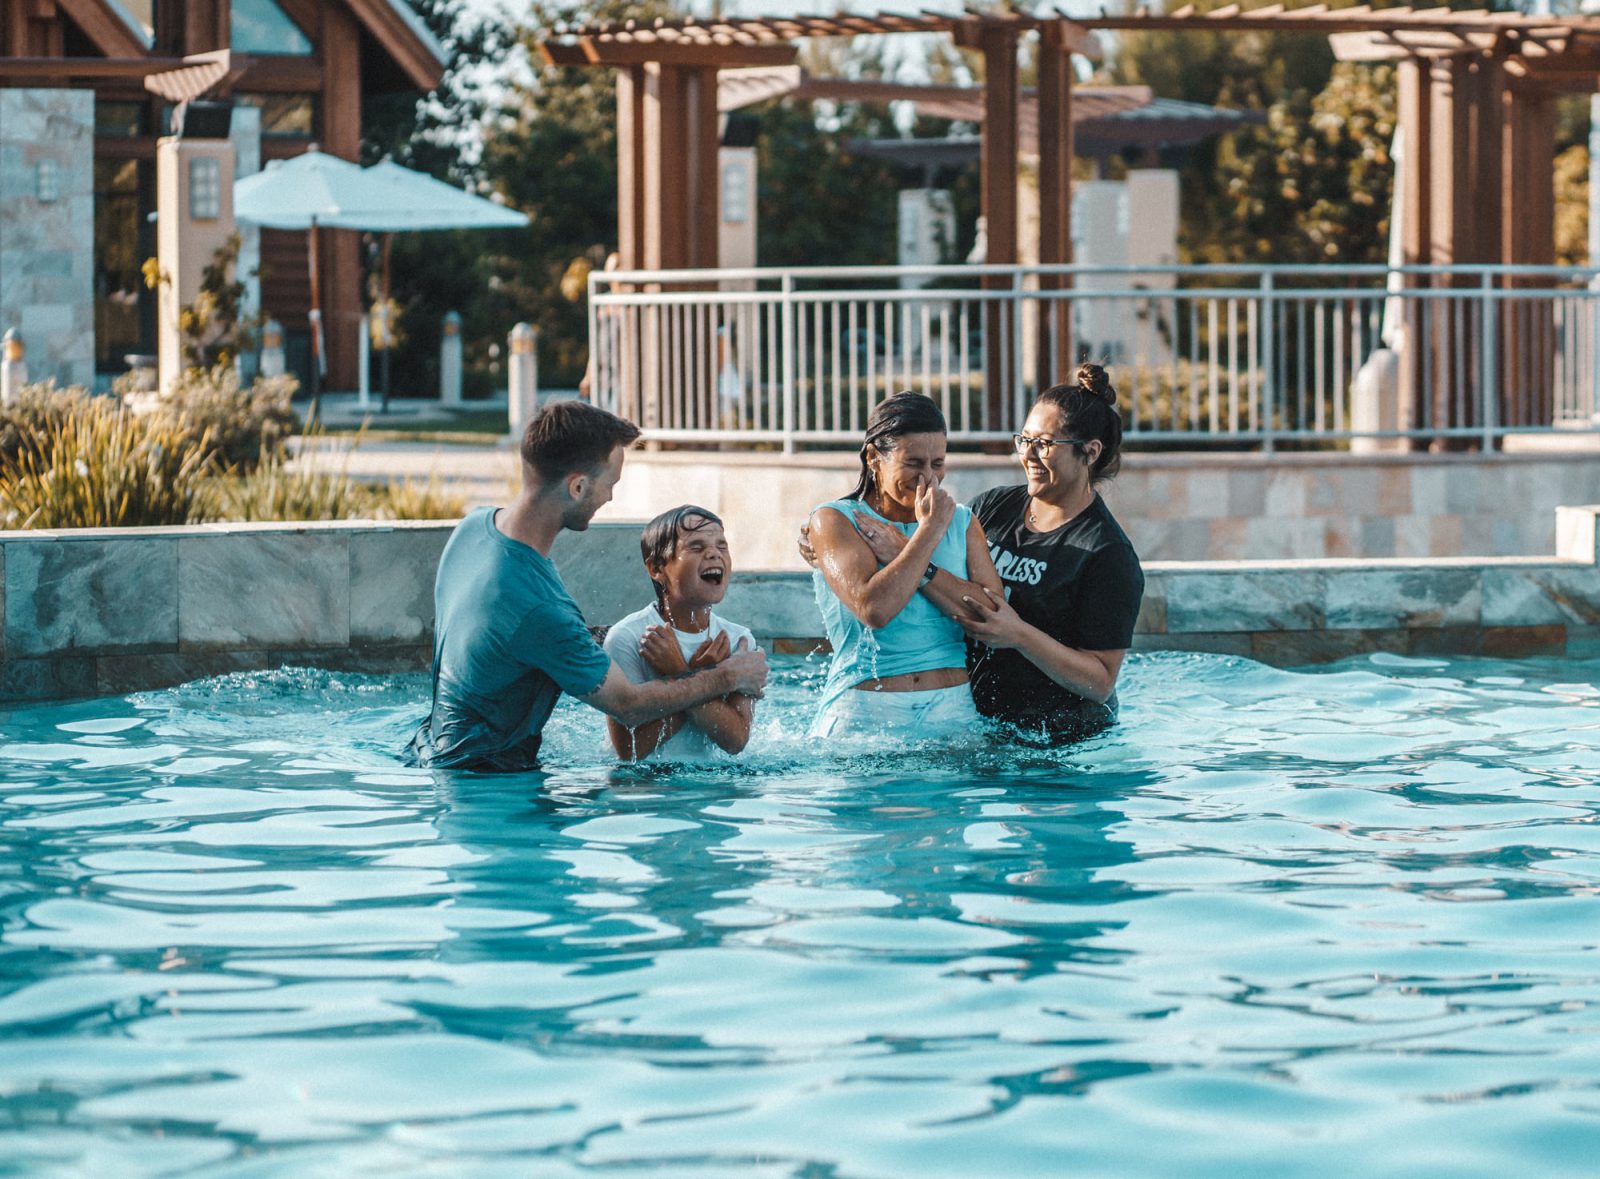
(919, 638)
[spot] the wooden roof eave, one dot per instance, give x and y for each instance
(105, 26)
(415, 56)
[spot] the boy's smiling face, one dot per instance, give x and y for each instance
(697, 572)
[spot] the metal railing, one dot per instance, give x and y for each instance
(1203, 355)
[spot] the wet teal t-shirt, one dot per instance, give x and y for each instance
(508, 641)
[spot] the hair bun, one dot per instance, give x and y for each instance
(1092, 379)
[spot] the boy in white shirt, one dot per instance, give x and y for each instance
(686, 554)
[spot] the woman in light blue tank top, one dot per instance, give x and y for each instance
(899, 656)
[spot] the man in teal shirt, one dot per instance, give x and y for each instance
(508, 637)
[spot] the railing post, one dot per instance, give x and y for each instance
(13, 367)
(523, 378)
(1019, 377)
(450, 360)
(272, 362)
(1489, 326)
(1269, 363)
(789, 377)
(364, 363)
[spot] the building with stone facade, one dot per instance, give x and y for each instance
(87, 87)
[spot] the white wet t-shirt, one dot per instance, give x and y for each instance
(622, 644)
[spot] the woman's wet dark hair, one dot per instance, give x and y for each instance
(1090, 406)
(895, 417)
(659, 540)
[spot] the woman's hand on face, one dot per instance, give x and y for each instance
(993, 621)
(884, 541)
(659, 649)
(711, 652)
(935, 506)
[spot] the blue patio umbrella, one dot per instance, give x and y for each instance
(315, 190)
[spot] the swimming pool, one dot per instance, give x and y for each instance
(1331, 923)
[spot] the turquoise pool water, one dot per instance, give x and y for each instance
(1277, 924)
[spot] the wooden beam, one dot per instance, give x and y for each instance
(666, 180)
(102, 25)
(282, 75)
(733, 55)
(399, 40)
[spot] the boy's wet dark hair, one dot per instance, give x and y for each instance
(659, 541)
(895, 417)
(573, 437)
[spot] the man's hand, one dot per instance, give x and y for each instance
(659, 648)
(711, 652)
(936, 507)
(993, 622)
(749, 668)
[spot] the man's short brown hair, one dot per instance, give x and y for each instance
(573, 437)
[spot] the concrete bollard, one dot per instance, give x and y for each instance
(272, 362)
(13, 368)
(523, 371)
(450, 360)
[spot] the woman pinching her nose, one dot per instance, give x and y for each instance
(1045, 654)
(899, 657)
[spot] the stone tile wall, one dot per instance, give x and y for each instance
(47, 247)
(1181, 507)
(96, 612)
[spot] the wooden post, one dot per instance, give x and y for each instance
(341, 136)
(1416, 194)
(666, 171)
(703, 192)
(999, 46)
(1054, 351)
(1527, 352)
(630, 166)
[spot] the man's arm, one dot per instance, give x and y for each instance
(638, 704)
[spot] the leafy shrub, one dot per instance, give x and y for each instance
(98, 466)
(246, 426)
(36, 413)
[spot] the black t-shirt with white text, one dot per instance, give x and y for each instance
(1080, 583)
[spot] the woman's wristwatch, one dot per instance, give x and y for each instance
(927, 575)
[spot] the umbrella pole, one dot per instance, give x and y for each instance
(388, 343)
(316, 322)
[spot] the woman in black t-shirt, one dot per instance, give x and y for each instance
(1046, 656)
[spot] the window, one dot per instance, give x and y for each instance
(141, 13)
(735, 192)
(205, 188)
(285, 116)
(260, 26)
(122, 120)
(124, 309)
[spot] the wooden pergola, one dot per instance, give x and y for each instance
(1477, 109)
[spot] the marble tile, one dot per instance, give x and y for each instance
(391, 584)
(605, 574)
(264, 589)
(1213, 643)
(1541, 596)
(119, 674)
(1583, 642)
(1228, 538)
(67, 678)
(1394, 491)
(1368, 599)
(1247, 493)
(774, 605)
(1523, 642)
(1207, 494)
(1303, 648)
(1576, 532)
(1280, 600)
(1286, 493)
(91, 596)
(1378, 539)
(1152, 618)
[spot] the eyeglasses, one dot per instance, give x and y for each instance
(1024, 444)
